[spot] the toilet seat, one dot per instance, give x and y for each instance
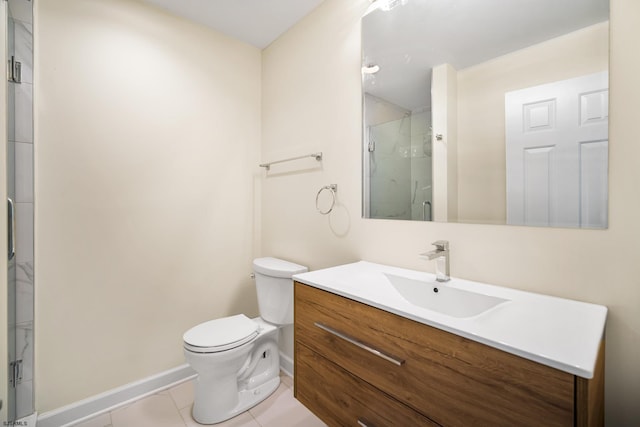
(220, 334)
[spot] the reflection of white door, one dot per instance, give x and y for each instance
(557, 153)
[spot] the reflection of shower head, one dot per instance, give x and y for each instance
(406, 115)
(384, 5)
(387, 5)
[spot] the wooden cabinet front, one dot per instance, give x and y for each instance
(449, 379)
(341, 399)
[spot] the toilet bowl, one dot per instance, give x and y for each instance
(237, 358)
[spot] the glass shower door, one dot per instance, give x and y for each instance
(20, 202)
(389, 158)
(11, 195)
(398, 168)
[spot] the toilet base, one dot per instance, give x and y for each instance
(247, 399)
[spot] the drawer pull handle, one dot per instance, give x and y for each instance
(364, 423)
(392, 359)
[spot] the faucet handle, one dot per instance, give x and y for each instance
(441, 245)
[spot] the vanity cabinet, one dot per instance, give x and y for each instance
(358, 365)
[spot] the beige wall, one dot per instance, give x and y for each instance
(147, 127)
(481, 118)
(312, 101)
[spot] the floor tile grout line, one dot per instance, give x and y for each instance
(254, 419)
(175, 405)
(163, 392)
(174, 399)
(168, 391)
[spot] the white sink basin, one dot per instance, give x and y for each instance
(442, 298)
(556, 332)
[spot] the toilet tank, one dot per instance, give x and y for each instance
(274, 287)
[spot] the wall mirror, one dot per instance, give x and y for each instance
(491, 112)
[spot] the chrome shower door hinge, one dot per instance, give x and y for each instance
(14, 72)
(15, 373)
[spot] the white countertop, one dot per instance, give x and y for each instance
(560, 333)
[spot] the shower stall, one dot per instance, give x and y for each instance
(398, 172)
(20, 202)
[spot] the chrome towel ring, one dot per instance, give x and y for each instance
(332, 188)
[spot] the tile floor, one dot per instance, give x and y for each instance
(172, 408)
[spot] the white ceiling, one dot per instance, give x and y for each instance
(257, 22)
(428, 32)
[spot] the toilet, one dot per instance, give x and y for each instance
(237, 358)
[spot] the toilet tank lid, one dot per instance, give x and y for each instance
(275, 267)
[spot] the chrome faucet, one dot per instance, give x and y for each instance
(441, 255)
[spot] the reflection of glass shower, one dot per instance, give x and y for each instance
(399, 168)
(390, 169)
(20, 275)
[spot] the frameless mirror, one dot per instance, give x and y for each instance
(492, 111)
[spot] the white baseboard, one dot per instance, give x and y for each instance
(286, 364)
(112, 399)
(28, 421)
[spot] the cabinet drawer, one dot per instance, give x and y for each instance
(452, 380)
(340, 399)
